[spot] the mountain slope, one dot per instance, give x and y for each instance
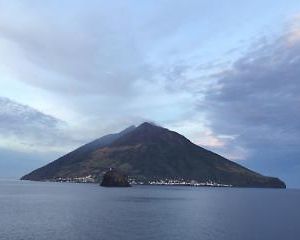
(149, 152)
(65, 165)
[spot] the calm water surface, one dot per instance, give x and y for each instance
(54, 211)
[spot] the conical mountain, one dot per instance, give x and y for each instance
(149, 152)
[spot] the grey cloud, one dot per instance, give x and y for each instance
(261, 90)
(100, 50)
(95, 55)
(29, 128)
(259, 102)
(97, 47)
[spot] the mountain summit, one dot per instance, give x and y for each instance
(151, 153)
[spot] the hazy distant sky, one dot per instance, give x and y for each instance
(225, 74)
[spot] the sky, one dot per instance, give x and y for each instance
(225, 74)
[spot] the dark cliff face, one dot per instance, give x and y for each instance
(152, 152)
(114, 178)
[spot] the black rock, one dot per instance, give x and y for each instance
(114, 178)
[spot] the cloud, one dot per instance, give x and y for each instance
(79, 53)
(24, 128)
(258, 102)
(293, 34)
(96, 63)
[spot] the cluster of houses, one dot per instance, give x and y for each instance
(85, 179)
(178, 182)
(133, 181)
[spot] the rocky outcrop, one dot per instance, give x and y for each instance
(114, 178)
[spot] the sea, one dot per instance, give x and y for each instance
(70, 211)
